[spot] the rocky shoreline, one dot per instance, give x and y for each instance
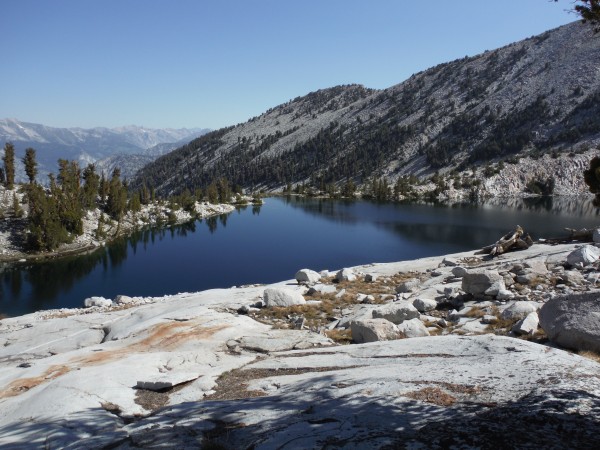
(266, 366)
(12, 245)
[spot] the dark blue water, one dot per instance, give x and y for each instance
(270, 243)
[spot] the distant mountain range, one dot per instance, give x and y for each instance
(539, 95)
(130, 145)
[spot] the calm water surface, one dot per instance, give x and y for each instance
(270, 243)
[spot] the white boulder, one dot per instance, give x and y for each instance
(345, 275)
(307, 276)
(408, 286)
(282, 297)
(477, 281)
(573, 321)
(519, 310)
(528, 325)
(371, 330)
(584, 255)
(123, 300)
(413, 328)
(97, 301)
(496, 287)
(425, 304)
(396, 312)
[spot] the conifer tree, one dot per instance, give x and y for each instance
(46, 232)
(212, 193)
(18, 211)
(116, 202)
(9, 164)
(135, 204)
(91, 186)
(69, 198)
(30, 164)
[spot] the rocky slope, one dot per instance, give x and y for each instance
(537, 96)
(89, 145)
(198, 368)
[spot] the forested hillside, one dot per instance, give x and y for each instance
(537, 96)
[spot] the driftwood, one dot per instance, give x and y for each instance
(580, 235)
(515, 240)
(583, 235)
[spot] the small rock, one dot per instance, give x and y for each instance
(244, 309)
(459, 271)
(593, 277)
(97, 301)
(366, 299)
(258, 304)
(321, 289)
(489, 319)
(413, 328)
(340, 294)
(450, 262)
(371, 330)
(396, 312)
(519, 310)
(345, 275)
(307, 276)
(528, 325)
(299, 323)
(495, 288)
(451, 293)
(408, 286)
(504, 294)
(425, 304)
(371, 277)
(123, 300)
(572, 277)
(477, 281)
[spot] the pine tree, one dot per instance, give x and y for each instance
(45, 230)
(18, 211)
(30, 164)
(212, 193)
(9, 164)
(116, 202)
(135, 204)
(69, 198)
(91, 187)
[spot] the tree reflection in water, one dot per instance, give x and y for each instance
(47, 281)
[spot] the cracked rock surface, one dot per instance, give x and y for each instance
(190, 370)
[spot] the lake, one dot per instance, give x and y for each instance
(270, 243)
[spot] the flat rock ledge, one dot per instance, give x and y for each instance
(191, 370)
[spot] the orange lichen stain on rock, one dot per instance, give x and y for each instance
(167, 336)
(163, 337)
(24, 384)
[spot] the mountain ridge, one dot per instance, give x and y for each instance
(88, 145)
(531, 97)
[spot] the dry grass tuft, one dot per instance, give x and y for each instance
(590, 354)
(340, 336)
(433, 395)
(475, 312)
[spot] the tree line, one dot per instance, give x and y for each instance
(56, 212)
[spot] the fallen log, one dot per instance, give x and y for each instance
(583, 235)
(580, 235)
(515, 240)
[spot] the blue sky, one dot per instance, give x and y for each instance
(196, 63)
